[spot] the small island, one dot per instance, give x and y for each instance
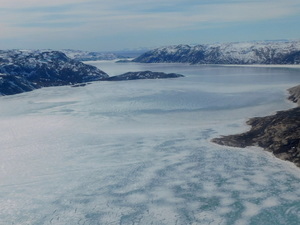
(143, 75)
(279, 133)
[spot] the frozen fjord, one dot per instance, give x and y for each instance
(138, 152)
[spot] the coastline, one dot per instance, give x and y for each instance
(279, 133)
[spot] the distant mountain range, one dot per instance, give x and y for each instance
(113, 55)
(91, 56)
(268, 52)
(26, 70)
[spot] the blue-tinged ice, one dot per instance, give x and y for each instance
(139, 152)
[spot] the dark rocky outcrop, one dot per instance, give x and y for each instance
(143, 75)
(279, 133)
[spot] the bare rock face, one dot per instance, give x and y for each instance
(279, 133)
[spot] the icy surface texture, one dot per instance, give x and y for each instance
(138, 152)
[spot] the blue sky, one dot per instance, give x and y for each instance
(100, 25)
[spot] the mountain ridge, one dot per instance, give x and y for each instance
(275, 52)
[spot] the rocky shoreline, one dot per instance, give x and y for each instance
(279, 133)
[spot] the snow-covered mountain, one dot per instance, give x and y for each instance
(281, 52)
(22, 71)
(26, 70)
(90, 56)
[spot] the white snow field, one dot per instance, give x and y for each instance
(139, 152)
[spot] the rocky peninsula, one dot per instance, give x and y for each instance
(279, 133)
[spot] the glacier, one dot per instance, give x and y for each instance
(139, 152)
